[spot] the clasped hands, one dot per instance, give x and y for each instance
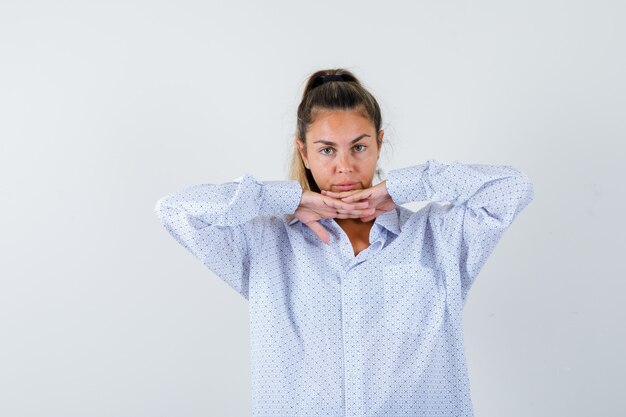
(365, 204)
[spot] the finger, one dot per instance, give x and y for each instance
(368, 218)
(320, 231)
(358, 213)
(336, 194)
(342, 195)
(345, 214)
(352, 206)
(372, 216)
(339, 194)
(342, 205)
(356, 197)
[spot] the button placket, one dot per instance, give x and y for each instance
(352, 348)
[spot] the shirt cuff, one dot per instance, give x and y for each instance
(406, 185)
(280, 197)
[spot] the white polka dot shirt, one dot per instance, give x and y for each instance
(334, 334)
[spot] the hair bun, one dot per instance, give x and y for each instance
(321, 79)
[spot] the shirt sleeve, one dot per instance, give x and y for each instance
(484, 201)
(213, 222)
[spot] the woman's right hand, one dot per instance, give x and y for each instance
(315, 206)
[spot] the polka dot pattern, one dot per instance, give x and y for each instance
(334, 334)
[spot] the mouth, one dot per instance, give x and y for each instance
(346, 186)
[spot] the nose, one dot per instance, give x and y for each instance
(344, 163)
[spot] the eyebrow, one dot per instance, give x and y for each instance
(327, 142)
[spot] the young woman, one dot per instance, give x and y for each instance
(355, 301)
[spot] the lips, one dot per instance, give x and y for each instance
(346, 186)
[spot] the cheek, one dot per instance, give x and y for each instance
(369, 160)
(323, 172)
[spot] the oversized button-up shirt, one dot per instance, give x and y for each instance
(334, 334)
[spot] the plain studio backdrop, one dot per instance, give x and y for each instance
(107, 106)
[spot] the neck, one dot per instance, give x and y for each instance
(354, 222)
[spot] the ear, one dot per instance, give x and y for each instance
(379, 140)
(302, 150)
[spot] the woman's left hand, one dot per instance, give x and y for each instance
(376, 197)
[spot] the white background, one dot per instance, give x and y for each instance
(107, 106)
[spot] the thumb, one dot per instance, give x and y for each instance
(320, 231)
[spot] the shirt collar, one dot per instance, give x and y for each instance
(388, 220)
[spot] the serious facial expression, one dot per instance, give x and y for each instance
(341, 150)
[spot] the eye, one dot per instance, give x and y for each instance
(324, 149)
(362, 147)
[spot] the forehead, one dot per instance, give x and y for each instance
(339, 123)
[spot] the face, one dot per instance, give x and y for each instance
(341, 150)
